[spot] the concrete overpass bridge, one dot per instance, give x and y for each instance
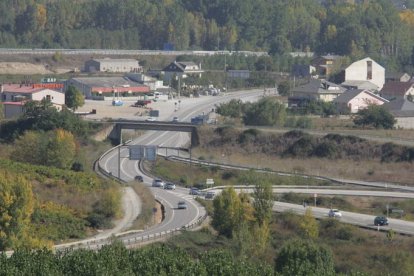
(119, 125)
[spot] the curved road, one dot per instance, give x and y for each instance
(187, 108)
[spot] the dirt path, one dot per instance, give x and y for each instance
(131, 204)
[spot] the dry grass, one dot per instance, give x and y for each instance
(146, 217)
(357, 170)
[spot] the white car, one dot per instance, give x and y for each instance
(334, 213)
(151, 119)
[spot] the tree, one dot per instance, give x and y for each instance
(283, 88)
(55, 148)
(376, 116)
(226, 212)
(61, 149)
(309, 225)
(263, 201)
(304, 258)
(265, 112)
(16, 207)
(232, 109)
(74, 98)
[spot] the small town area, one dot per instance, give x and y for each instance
(207, 137)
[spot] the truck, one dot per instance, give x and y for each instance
(199, 120)
(142, 103)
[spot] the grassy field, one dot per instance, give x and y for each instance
(253, 155)
(196, 175)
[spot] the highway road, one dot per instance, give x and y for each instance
(187, 108)
(366, 221)
(175, 218)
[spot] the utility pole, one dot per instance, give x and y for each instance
(225, 71)
(179, 87)
(119, 153)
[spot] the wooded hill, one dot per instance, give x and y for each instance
(374, 28)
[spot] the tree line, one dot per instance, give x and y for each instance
(374, 28)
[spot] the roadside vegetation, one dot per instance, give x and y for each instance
(146, 217)
(46, 161)
(358, 204)
(195, 175)
(299, 152)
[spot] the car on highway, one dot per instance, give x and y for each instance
(194, 191)
(182, 205)
(175, 120)
(169, 186)
(139, 178)
(210, 195)
(151, 119)
(380, 221)
(158, 183)
(334, 213)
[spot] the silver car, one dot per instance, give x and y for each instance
(158, 183)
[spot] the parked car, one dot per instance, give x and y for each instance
(194, 191)
(151, 119)
(210, 195)
(380, 221)
(182, 205)
(175, 120)
(169, 186)
(139, 178)
(158, 183)
(334, 213)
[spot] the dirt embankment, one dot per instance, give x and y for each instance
(23, 68)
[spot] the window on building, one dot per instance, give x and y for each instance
(4, 97)
(369, 70)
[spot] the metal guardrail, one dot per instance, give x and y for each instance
(128, 239)
(35, 51)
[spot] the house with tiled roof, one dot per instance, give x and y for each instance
(392, 76)
(403, 111)
(182, 70)
(356, 99)
(397, 90)
(14, 96)
(315, 90)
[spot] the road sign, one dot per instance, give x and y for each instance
(136, 152)
(150, 153)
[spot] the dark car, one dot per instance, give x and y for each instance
(139, 178)
(194, 191)
(380, 221)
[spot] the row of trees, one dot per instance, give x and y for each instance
(270, 112)
(297, 258)
(246, 219)
(374, 28)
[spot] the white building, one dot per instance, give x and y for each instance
(13, 97)
(364, 74)
(113, 65)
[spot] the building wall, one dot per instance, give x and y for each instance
(12, 111)
(57, 98)
(359, 71)
(405, 122)
(362, 101)
(92, 66)
(85, 89)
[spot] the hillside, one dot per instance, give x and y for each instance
(375, 28)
